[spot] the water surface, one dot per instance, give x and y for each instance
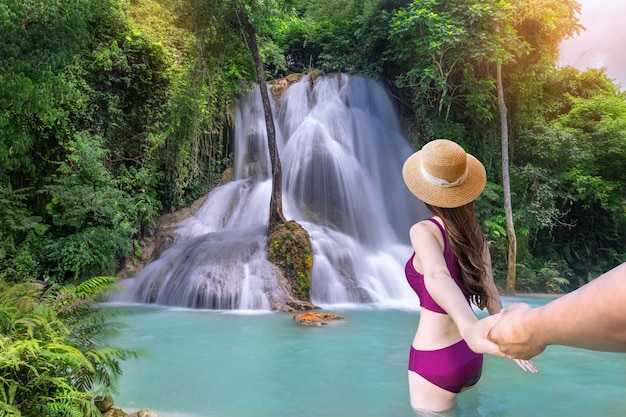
(240, 364)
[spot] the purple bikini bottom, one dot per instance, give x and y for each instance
(451, 368)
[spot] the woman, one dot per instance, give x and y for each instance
(450, 268)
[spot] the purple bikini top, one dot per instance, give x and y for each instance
(416, 280)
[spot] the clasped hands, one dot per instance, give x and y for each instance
(506, 335)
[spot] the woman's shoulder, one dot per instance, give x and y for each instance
(429, 223)
(430, 226)
(420, 226)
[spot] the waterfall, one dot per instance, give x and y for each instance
(341, 149)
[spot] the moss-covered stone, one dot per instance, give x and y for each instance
(289, 248)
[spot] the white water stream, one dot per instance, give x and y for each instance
(341, 149)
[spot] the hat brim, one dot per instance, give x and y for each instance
(437, 196)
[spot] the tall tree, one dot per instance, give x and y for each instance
(276, 216)
(506, 184)
(502, 56)
(515, 18)
(289, 244)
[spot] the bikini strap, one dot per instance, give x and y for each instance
(443, 232)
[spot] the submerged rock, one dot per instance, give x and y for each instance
(311, 318)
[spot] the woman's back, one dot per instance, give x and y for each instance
(436, 329)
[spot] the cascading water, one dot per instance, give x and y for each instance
(341, 151)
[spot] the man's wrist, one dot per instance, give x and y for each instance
(537, 327)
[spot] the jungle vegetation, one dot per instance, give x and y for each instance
(113, 112)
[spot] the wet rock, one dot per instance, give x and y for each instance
(281, 85)
(103, 403)
(144, 412)
(289, 248)
(116, 412)
(156, 242)
(311, 318)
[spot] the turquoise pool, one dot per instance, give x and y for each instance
(238, 364)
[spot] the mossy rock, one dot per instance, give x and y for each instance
(289, 248)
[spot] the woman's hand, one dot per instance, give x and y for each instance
(475, 335)
(526, 365)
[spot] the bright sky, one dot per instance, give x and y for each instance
(603, 42)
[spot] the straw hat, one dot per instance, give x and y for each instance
(442, 174)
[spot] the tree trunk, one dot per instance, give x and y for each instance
(276, 201)
(506, 183)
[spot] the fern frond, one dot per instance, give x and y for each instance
(95, 286)
(54, 351)
(8, 410)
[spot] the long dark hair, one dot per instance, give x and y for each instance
(467, 241)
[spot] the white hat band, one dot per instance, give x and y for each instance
(441, 182)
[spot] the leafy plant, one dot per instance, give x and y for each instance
(54, 359)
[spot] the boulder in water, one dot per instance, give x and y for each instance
(311, 318)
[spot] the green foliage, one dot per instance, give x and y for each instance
(563, 85)
(54, 358)
(91, 121)
(535, 88)
(16, 222)
(595, 180)
(346, 36)
(444, 56)
(129, 80)
(578, 159)
(209, 61)
(544, 25)
(446, 53)
(94, 215)
(600, 124)
(42, 43)
(112, 112)
(537, 213)
(18, 230)
(547, 277)
(447, 49)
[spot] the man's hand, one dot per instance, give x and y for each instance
(512, 335)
